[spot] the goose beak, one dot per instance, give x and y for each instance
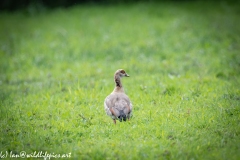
(126, 75)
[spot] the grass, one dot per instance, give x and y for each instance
(56, 68)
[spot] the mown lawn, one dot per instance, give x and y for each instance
(57, 66)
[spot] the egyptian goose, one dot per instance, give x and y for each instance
(117, 105)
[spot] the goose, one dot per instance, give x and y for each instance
(117, 104)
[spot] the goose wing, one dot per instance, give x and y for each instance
(118, 105)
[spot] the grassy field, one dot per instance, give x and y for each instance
(57, 66)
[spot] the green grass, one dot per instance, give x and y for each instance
(57, 66)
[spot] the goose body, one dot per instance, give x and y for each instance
(117, 105)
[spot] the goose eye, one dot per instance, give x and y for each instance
(122, 71)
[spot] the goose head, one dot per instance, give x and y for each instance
(121, 73)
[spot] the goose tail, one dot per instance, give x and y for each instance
(122, 116)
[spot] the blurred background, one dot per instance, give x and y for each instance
(18, 4)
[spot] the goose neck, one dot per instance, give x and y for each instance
(117, 80)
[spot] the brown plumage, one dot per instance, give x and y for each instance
(117, 105)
